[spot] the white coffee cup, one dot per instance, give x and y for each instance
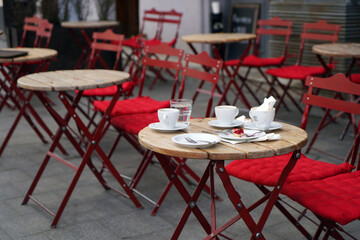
(226, 114)
(262, 118)
(168, 117)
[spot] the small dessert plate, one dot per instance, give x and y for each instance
(235, 123)
(252, 134)
(273, 126)
(203, 140)
(157, 126)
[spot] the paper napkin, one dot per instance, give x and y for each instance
(268, 104)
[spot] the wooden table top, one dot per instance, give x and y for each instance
(67, 80)
(292, 138)
(34, 54)
(89, 24)
(345, 50)
(214, 38)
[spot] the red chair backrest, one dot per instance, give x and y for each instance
(337, 84)
(31, 24)
(152, 16)
(273, 26)
(189, 72)
(105, 41)
(319, 31)
(161, 56)
(43, 34)
(173, 18)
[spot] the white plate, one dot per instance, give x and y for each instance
(250, 132)
(180, 139)
(274, 126)
(216, 123)
(157, 126)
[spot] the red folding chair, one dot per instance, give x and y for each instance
(151, 19)
(13, 70)
(334, 200)
(319, 31)
(31, 25)
(264, 172)
(274, 27)
(170, 24)
(105, 42)
(134, 123)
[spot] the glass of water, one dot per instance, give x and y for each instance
(185, 106)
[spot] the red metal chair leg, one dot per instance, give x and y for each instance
(190, 200)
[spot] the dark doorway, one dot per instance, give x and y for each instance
(127, 13)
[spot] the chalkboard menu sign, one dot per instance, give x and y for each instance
(242, 19)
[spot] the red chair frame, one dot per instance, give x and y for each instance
(319, 31)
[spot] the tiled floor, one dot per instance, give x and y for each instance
(93, 213)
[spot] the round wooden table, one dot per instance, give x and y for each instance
(217, 41)
(292, 140)
(35, 56)
(338, 50)
(71, 80)
(89, 24)
(218, 38)
(85, 46)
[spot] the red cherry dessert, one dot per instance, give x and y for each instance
(238, 132)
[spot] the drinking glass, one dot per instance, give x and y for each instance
(184, 106)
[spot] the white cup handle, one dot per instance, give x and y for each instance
(237, 112)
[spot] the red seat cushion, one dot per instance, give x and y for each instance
(132, 105)
(133, 42)
(296, 72)
(355, 77)
(134, 123)
(255, 61)
(266, 171)
(107, 91)
(335, 198)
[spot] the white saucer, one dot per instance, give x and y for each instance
(180, 139)
(157, 126)
(274, 126)
(250, 132)
(216, 123)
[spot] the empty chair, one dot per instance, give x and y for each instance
(336, 199)
(169, 34)
(265, 171)
(152, 19)
(274, 27)
(319, 31)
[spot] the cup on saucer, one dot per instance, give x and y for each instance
(262, 118)
(168, 117)
(225, 114)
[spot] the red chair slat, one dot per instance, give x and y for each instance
(332, 83)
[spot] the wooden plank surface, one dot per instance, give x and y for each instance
(292, 138)
(345, 50)
(89, 24)
(214, 38)
(67, 80)
(34, 54)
